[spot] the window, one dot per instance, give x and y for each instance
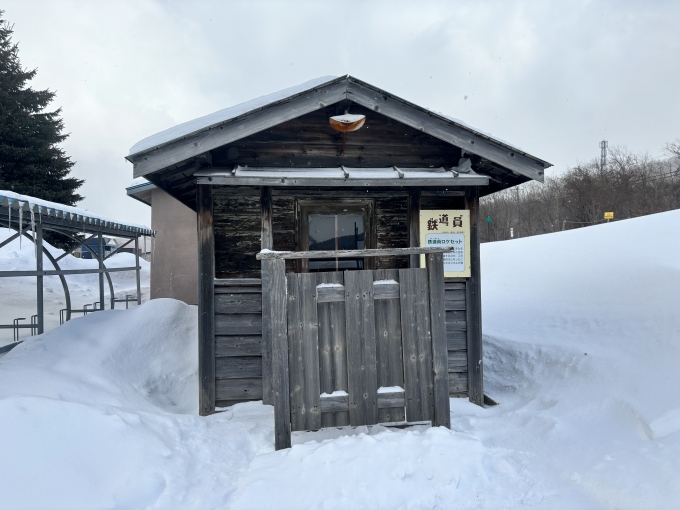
(336, 232)
(341, 224)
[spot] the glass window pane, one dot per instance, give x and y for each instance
(336, 231)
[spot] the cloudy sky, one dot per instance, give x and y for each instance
(553, 78)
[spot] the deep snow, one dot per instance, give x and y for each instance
(582, 351)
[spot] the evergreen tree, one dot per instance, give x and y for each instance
(31, 161)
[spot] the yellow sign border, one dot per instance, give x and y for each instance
(442, 228)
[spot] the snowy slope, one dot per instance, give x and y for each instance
(582, 352)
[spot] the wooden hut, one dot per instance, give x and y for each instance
(311, 292)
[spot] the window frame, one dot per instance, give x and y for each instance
(305, 207)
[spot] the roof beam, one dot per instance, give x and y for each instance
(356, 179)
(240, 127)
(433, 124)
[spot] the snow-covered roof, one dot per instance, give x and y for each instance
(213, 119)
(16, 201)
(208, 121)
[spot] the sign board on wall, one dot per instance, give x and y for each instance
(448, 228)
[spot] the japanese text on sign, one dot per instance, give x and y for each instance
(454, 261)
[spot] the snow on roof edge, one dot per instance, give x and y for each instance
(10, 198)
(218, 117)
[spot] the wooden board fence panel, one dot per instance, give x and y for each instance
(435, 275)
(388, 342)
(362, 380)
(303, 352)
(415, 330)
(332, 346)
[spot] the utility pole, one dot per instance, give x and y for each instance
(603, 153)
(519, 219)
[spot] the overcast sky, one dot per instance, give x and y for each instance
(553, 78)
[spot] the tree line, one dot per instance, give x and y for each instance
(629, 185)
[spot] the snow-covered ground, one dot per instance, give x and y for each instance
(17, 295)
(582, 352)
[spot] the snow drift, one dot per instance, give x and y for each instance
(582, 349)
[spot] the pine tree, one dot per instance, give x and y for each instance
(31, 161)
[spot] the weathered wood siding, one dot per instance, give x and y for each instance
(238, 342)
(456, 337)
(238, 307)
(238, 227)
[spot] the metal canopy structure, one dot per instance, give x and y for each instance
(30, 217)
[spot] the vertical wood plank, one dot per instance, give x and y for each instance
(435, 277)
(267, 243)
(303, 352)
(332, 349)
(362, 377)
(414, 224)
(389, 354)
(417, 345)
(279, 328)
(473, 296)
(206, 303)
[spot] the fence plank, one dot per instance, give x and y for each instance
(280, 382)
(361, 348)
(415, 332)
(389, 356)
(332, 347)
(303, 352)
(435, 276)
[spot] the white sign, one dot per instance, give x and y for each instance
(454, 261)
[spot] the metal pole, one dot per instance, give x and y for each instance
(139, 283)
(39, 278)
(101, 268)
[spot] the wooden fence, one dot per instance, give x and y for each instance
(356, 348)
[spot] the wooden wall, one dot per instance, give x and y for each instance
(238, 228)
(238, 340)
(238, 298)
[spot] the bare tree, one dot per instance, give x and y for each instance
(630, 185)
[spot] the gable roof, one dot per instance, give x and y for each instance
(201, 135)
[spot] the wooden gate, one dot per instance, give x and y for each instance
(359, 347)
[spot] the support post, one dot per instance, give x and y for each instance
(440, 354)
(414, 224)
(206, 300)
(267, 243)
(279, 324)
(137, 275)
(39, 278)
(101, 271)
(473, 297)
